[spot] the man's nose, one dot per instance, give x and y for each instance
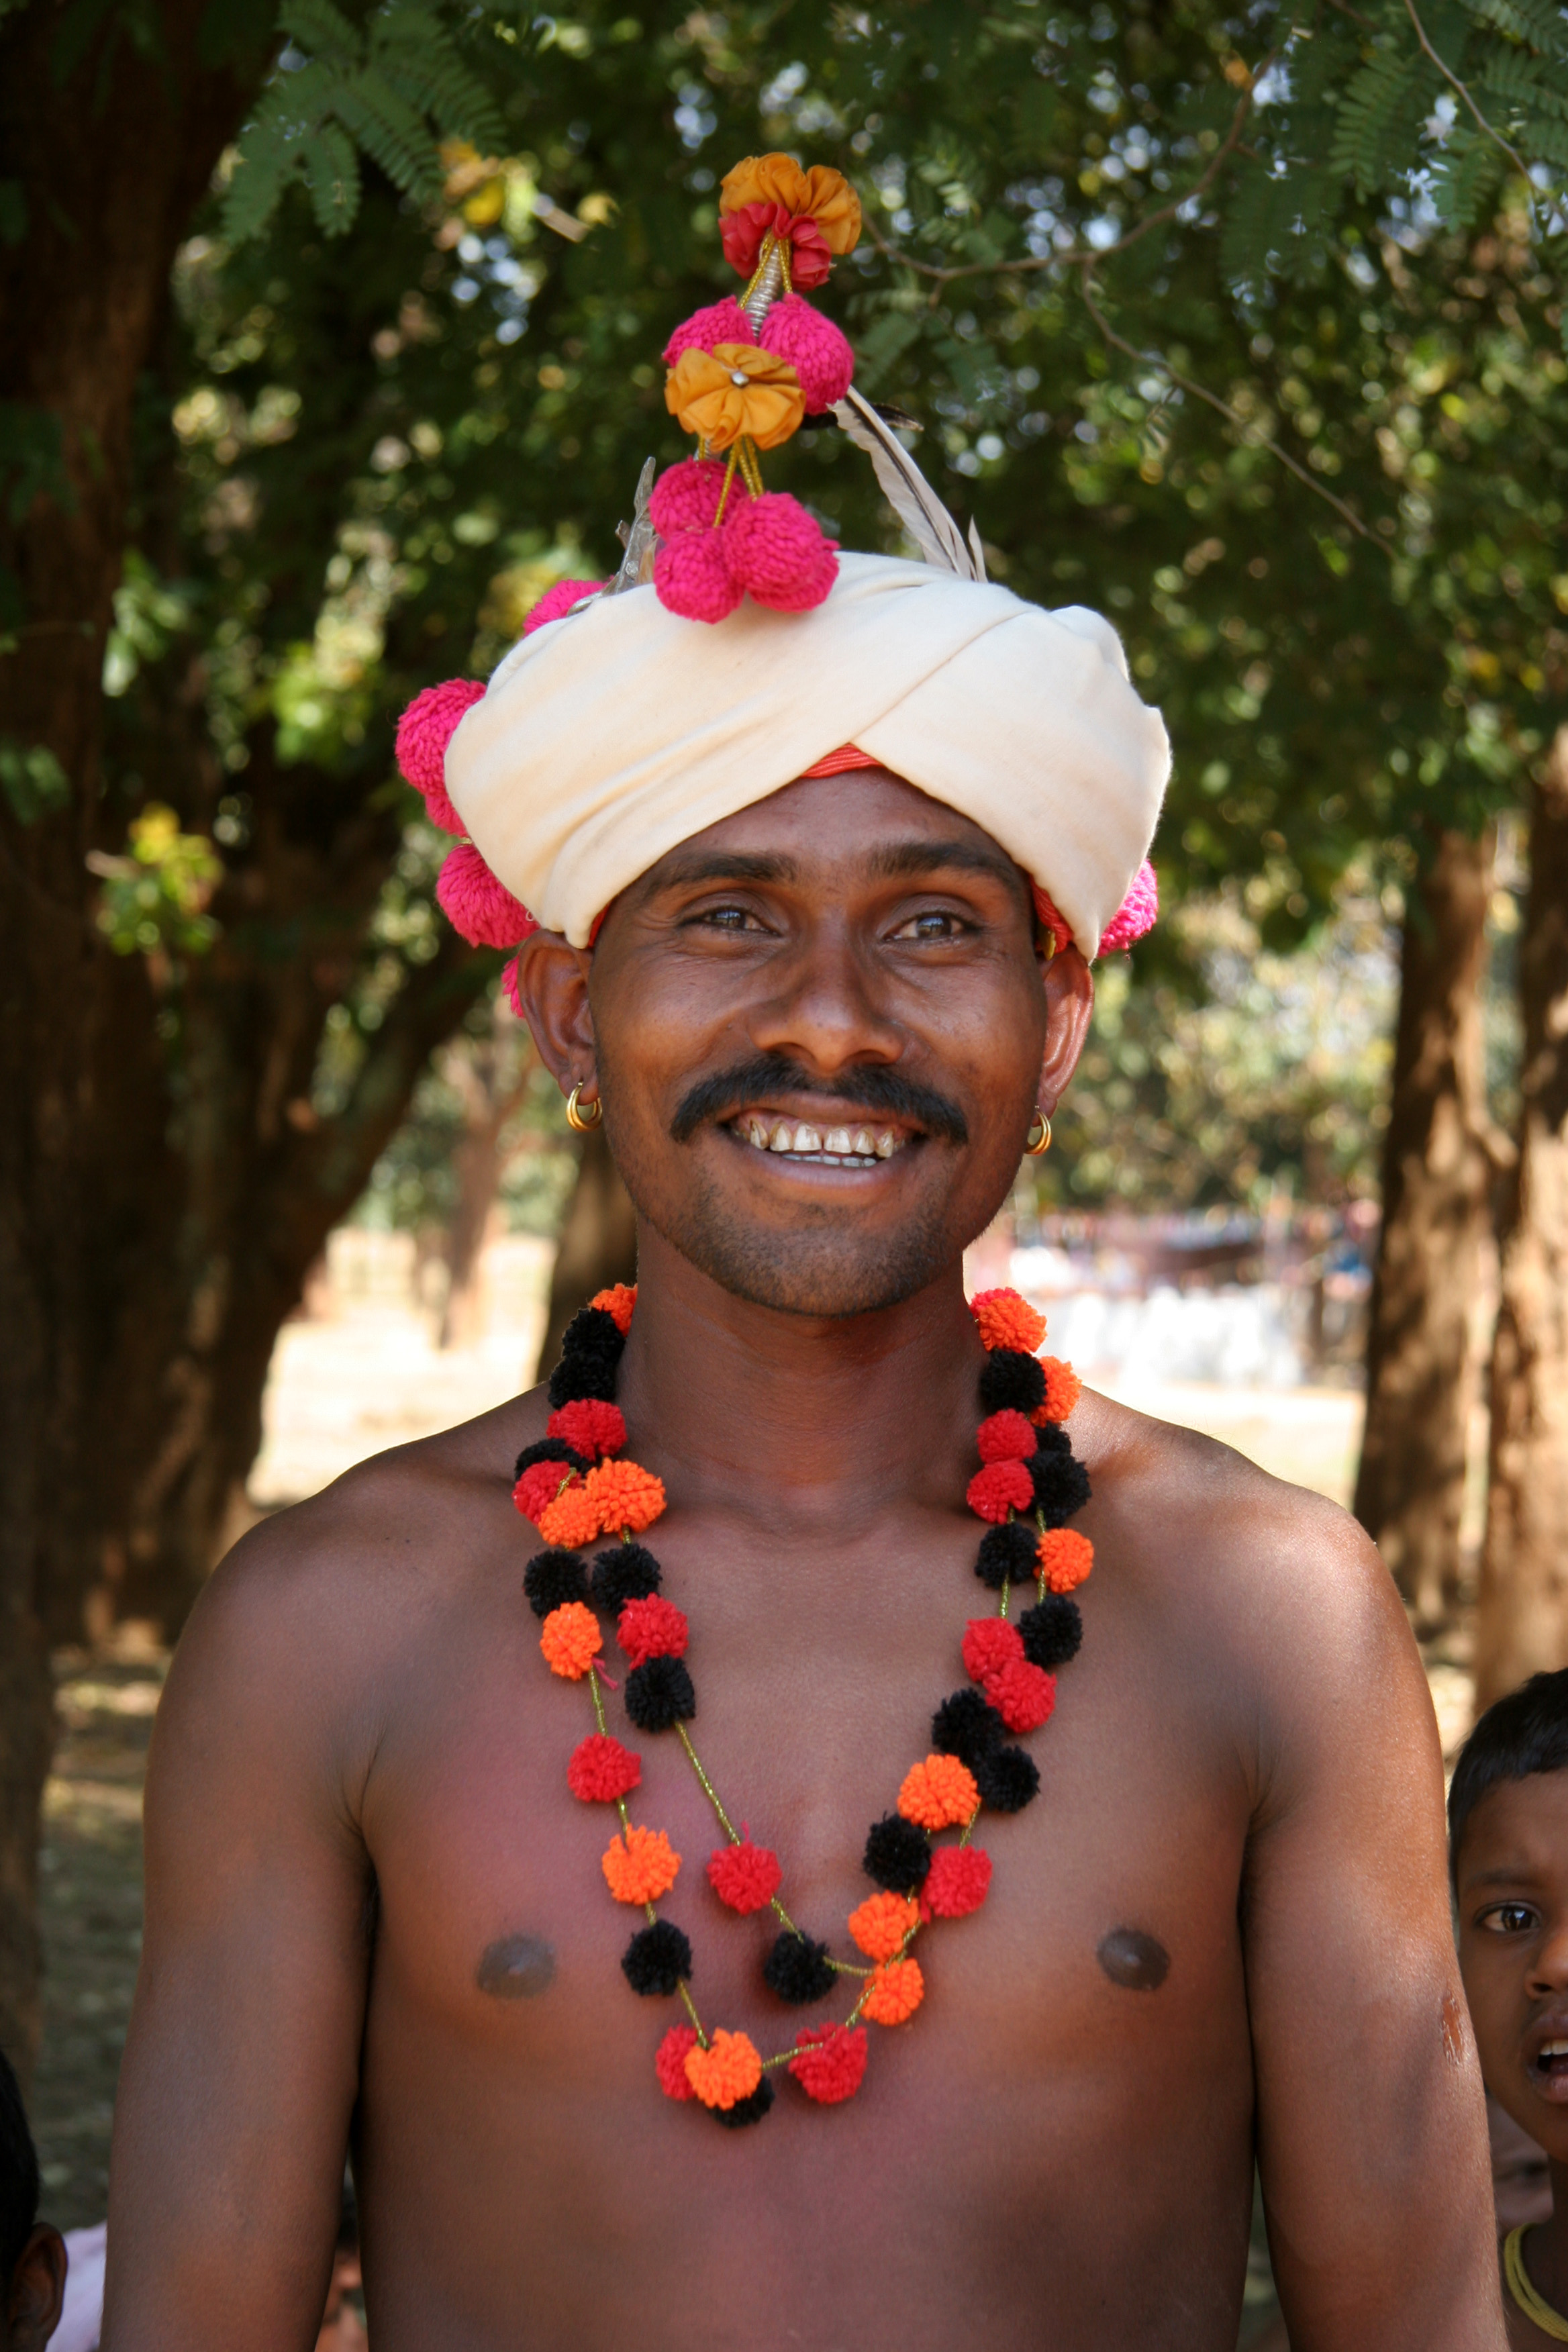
(824, 1008)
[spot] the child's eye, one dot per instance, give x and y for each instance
(1510, 1918)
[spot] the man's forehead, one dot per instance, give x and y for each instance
(868, 822)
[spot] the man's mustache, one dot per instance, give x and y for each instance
(877, 1092)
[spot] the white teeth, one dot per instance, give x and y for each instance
(836, 1139)
(808, 1138)
(860, 1141)
(1554, 2049)
(887, 1143)
(782, 1135)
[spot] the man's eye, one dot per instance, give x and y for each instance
(1510, 1918)
(727, 919)
(933, 924)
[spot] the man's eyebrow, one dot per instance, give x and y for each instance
(907, 860)
(729, 866)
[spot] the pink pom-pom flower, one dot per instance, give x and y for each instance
(685, 497)
(778, 553)
(692, 577)
(819, 354)
(424, 731)
(1139, 912)
(718, 322)
(557, 602)
(481, 908)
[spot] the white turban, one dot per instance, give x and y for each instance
(607, 738)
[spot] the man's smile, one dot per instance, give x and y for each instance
(831, 1142)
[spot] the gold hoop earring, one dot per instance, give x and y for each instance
(1038, 1139)
(583, 1122)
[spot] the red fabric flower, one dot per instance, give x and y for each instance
(745, 1876)
(652, 1629)
(670, 2062)
(1001, 1437)
(989, 1644)
(1000, 1488)
(956, 1884)
(589, 1426)
(601, 1769)
(831, 2061)
(742, 233)
(1022, 1693)
(539, 1486)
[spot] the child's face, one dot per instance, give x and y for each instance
(1513, 1949)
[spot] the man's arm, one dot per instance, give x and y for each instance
(241, 2065)
(1371, 2116)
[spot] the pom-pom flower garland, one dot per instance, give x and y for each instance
(571, 1485)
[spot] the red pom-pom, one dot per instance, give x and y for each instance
(956, 1884)
(424, 731)
(691, 577)
(989, 1644)
(685, 497)
(745, 1876)
(590, 1426)
(778, 553)
(1006, 1437)
(717, 322)
(1022, 1694)
(557, 602)
(653, 1628)
(1000, 1488)
(670, 2062)
(600, 1769)
(831, 2061)
(477, 905)
(819, 354)
(538, 1487)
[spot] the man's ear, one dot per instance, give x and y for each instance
(37, 2291)
(1070, 1005)
(552, 990)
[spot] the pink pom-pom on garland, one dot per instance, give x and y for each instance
(424, 731)
(685, 497)
(1139, 912)
(693, 579)
(778, 553)
(718, 322)
(557, 602)
(511, 990)
(819, 354)
(477, 905)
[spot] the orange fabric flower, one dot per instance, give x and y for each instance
(939, 1793)
(728, 2071)
(625, 1496)
(735, 388)
(1006, 1320)
(881, 1924)
(821, 194)
(1065, 1558)
(1062, 1390)
(572, 1520)
(571, 1639)
(617, 1302)
(897, 1990)
(639, 1866)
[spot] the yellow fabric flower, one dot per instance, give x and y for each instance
(821, 194)
(733, 389)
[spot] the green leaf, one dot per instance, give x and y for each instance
(32, 778)
(332, 174)
(32, 458)
(319, 27)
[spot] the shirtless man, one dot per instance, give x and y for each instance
(377, 1918)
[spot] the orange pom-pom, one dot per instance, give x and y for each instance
(728, 2071)
(896, 1991)
(881, 1924)
(1062, 1390)
(1006, 1320)
(641, 1866)
(572, 1520)
(625, 1496)
(571, 1639)
(617, 1304)
(1065, 1558)
(939, 1793)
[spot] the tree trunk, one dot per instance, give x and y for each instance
(599, 1244)
(1435, 1169)
(1523, 1617)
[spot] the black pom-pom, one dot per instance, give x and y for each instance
(745, 2111)
(582, 1376)
(657, 1957)
(898, 1854)
(797, 1969)
(659, 1693)
(554, 1578)
(1012, 1382)
(550, 1449)
(626, 1573)
(592, 1331)
(1007, 1780)
(1006, 1555)
(966, 1726)
(1052, 1631)
(1050, 1437)
(1061, 1486)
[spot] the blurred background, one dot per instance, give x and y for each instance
(333, 340)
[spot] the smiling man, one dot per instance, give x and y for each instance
(895, 1938)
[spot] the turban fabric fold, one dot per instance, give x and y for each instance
(607, 738)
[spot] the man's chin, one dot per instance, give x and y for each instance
(818, 1275)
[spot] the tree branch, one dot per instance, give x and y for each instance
(1462, 90)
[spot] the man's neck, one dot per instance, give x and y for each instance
(824, 1418)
